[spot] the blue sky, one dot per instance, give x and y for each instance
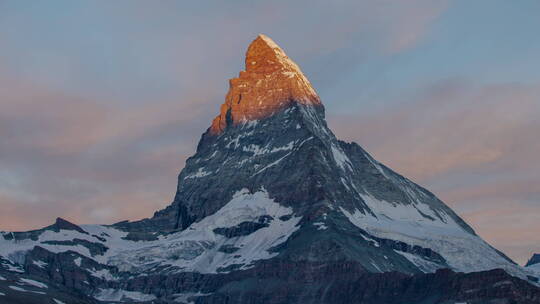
(102, 101)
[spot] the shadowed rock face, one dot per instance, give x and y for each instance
(535, 259)
(336, 283)
(279, 282)
(59, 224)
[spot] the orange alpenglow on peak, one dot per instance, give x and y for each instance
(271, 82)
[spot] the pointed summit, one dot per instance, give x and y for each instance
(535, 259)
(264, 56)
(271, 81)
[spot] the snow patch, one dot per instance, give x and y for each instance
(422, 264)
(376, 267)
(104, 274)
(344, 182)
(291, 145)
(15, 250)
(197, 247)
(341, 159)
(13, 268)
(411, 217)
(120, 295)
(252, 124)
(370, 240)
(320, 226)
(16, 288)
(288, 146)
(235, 141)
(213, 155)
(78, 261)
(377, 165)
(257, 150)
(184, 297)
(40, 264)
(33, 283)
(462, 251)
(200, 173)
(272, 164)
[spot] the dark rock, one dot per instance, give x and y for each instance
(535, 259)
(244, 228)
(228, 249)
(62, 224)
(34, 234)
(61, 269)
(99, 238)
(425, 253)
(93, 247)
(141, 236)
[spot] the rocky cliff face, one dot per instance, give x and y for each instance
(273, 208)
(535, 259)
(270, 83)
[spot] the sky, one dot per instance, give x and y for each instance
(102, 101)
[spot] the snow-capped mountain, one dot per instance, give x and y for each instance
(271, 208)
(271, 140)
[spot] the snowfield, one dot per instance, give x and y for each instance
(197, 248)
(119, 295)
(463, 251)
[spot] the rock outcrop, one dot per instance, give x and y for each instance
(270, 82)
(535, 259)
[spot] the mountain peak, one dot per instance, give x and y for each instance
(535, 259)
(271, 81)
(266, 57)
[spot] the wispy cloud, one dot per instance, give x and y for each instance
(91, 161)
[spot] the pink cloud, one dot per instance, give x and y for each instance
(89, 162)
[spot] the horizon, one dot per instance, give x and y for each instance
(103, 102)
